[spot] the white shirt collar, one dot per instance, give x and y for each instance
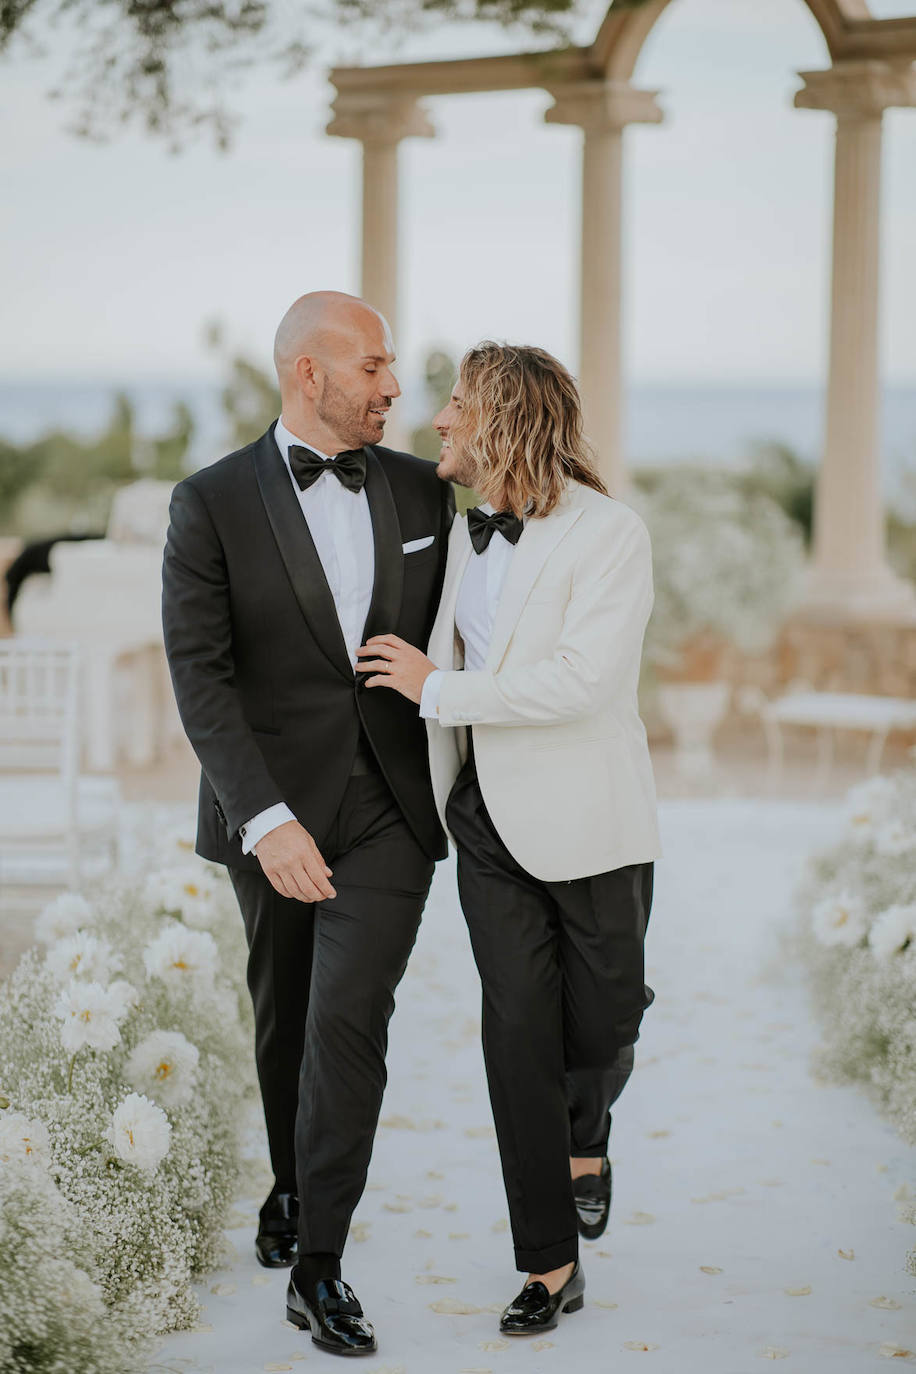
(284, 437)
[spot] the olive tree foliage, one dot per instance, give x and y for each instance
(170, 65)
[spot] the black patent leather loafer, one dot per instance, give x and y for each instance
(277, 1242)
(592, 1193)
(333, 1315)
(535, 1309)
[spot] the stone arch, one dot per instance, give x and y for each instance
(620, 39)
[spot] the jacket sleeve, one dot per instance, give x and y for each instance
(197, 627)
(597, 652)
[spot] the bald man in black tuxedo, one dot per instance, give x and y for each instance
(281, 560)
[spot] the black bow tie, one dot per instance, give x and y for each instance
(482, 527)
(349, 467)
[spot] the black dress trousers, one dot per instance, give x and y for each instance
(562, 970)
(322, 980)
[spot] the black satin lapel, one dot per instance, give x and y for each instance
(385, 607)
(297, 549)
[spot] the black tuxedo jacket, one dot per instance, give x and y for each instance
(264, 686)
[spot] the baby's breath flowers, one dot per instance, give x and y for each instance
(131, 1149)
(858, 939)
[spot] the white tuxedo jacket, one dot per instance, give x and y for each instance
(561, 752)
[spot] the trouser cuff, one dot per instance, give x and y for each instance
(550, 1257)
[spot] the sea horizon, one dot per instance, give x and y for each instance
(717, 421)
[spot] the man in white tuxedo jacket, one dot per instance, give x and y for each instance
(542, 777)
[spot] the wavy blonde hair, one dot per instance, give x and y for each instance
(521, 426)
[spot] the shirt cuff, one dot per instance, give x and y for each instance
(262, 824)
(429, 697)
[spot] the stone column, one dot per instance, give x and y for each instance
(850, 577)
(602, 109)
(380, 122)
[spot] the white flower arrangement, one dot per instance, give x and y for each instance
(727, 561)
(122, 1100)
(164, 1065)
(857, 936)
(54, 1315)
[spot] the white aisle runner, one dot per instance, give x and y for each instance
(754, 1212)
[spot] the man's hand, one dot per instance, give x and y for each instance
(293, 864)
(398, 664)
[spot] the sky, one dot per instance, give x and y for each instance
(115, 257)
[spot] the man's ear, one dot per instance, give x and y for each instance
(306, 374)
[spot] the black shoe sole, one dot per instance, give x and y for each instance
(274, 1264)
(303, 1324)
(574, 1305)
(593, 1232)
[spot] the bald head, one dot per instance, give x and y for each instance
(320, 324)
(333, 354)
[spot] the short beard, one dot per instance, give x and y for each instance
(463, 470)
(345, 417)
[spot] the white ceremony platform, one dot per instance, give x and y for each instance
(755, 1213)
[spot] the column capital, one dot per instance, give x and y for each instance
(602, 106)
(858, 90)
(374, 117)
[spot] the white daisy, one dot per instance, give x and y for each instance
(90, 1016)
(82, 956)
(165, 1066)
(840, 919)
(869, 805)
(893, 931)
(180, 956)
(22, 1138)
(140, 1132)
(63, 917)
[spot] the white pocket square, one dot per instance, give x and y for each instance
(414, 545)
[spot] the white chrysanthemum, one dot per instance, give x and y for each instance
(178, 956)
(870, 804)
(165, 1066)
(895, 838)
(188, 893)
(893, 931)
(140, 1132)
(124, 997)
(90, 1014)
(840, 920)
(63, 917)
(82, 956)
(22, 1138)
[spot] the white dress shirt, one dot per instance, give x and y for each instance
(478, 600)
(340, 524)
